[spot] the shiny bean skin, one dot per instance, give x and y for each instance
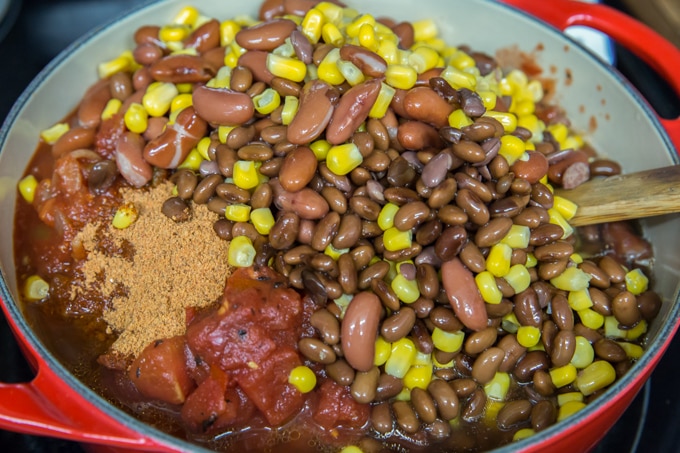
(359, 330)
(316, 351)
(186, 182)
(613, 269)
(527, 308)
(545, 234)
(486, 365)
(416, 135)
(306, 203)
(474, 408)
(182, 68)
(325, 231)
(92, 105)
(424, 405)
(170, 148)
(388, 387)
(348, 233)
(491, 233)
(73, 139)
(365, 384)
(386, 294)
(398, 325)
(352, 110)
(205, 37)
(561, 313)
(405, 416)
(625, 309)
(445, 319)
(314, 113)
(514, 413)
(428, 281)
(477, 342)
(445, 398)
(532, 169)
(609, 350)
(513, 352)
(543, 415)
(222, 106)
(130, 161)
(451, 242)
(298, 168)
(265, 35)
(376, 271)
(563, 348)
(470, 203)
(463, 295)
(424, 104)
(411, 215)
(527, 365)
(335, 199)
(341, 372)
(558, 250)
(463, 387)
(381, 418)
(649, 304)
(370, 63)
(327, 325)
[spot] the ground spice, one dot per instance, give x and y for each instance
(153, 270)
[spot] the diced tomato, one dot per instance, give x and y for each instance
(160, 371)
(267, 386)
(108, 134)
(336, 407)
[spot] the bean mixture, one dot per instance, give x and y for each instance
(407, 279)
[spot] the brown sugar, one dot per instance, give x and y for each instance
(153, 270)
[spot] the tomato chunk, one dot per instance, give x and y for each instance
(337, 407)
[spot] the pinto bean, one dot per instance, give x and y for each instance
(222, 106)
(416, 135)
(424, 104)
(170, 148)
(130, 160)
(352, 110)
(182, 68)
(463, 295)
(298, 168)
(359, 330)
(306, 203)
(92, 105)
(313, 115)
(266, 35)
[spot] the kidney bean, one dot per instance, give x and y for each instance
(298, 168)
(368, 62)
(186, 181)
(146, 33)
(365, 208)
(155, 127)
(170, 148)
(405, 416)
(375, 271)
(205, 37)
(604, 167)
(424, 104)
(601, 301)
(222, 106)
(365, 384)
(306, 231)
(463, 295)
(102, 175)
(529, 364)
(532, 169)
(340, 372)
(514, 413)
(471, 204)
(541, 195)
(624, 241)
(469, 151)
(548, 270)
(176, 209)
(424, 405)
(262, 196)
(232, 193)
(306, 203)
(558, 250)
(599, 278)
(398, 325)
(545, 234)
(612, 269)
(313, 115)
(73, 139)
(474, 408)
(325, 231)
(625, 309)
(381, 418)
(120, 85)
(543, 415)
(486, 364)
(609, 350)
(471, 103)
(129, 160)
(266, 35)
(257, 152)
(256, 62)
(388, 387)
(141, 79)
(359, 330)
(327, 325)
(561, 312)
(513, 352)
(543, 383)
(451, 242)
(416, 135)
(92, 104)
(182, 68)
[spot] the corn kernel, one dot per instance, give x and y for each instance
(510, 323)
(192, 161)
(591, 319)
(246, 175)
(568, 409)
(333, 252)
(320, 149)
(173, 33)
(406, 290)
(488, 288)
(332, 12)
(564, 398)
(488, 98)
(522, 434)
(565, 207)
(395, 239)
(401, 357)
(237, 212)
(52, 134)
(312, 25)
(531, 261)
(636, 282)
(579, 300)
(231, 59)
(222, 79)
(112, 107)
(350, 72)
(459, 79)
(528, 336)
(382, 102)
(228, 30)
(498, 260)
(241, 252)
(595, 376)
(262, 219)
(400, 76)
(203, 146)
(447, 341)
(459, 119)
(328, 68)
(637, 331)
(383, 349)
(125, 216)
(267, 101)
(342, 159)
(386, 216)
(367, 38)
(353, 28)
(497, 388)
(287, 68)
(572, 279)
(186, 16)
(424, 29)
(389, 51)
(611, 328)
(223, 133)
(557, 219)
(351, 449)
(331, 35)
(302, 378)
(136, 118)
(418, 376)
(523, 107)
(423, 58)
(461, 60)
(517, 237)
(518, 277)
(512, 148)
(583, 353)
(290, 108)
(27, 187)
(633, 351)
(119, 64)
(35, 288)
(507, 119)
(559, 131)
(563, 375)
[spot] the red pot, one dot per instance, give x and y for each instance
(56, 404)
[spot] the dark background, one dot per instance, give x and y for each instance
(35, 31)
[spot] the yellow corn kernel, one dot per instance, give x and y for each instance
(353, 29)
(523, 107)
(591, 319)
(231, 59)
(351, 449)
(52, 134)
(400, 76)
(576, 258)
(528, 336)
(107, 68)
(531, 261)
(583, 353)
(423, 58)
(522, 434)
(332, 12)
(285, 50)
(637, 331)
(223, 133)
(573, 142)
(158, 97)
(328, 68)
(559, 132)
(459, 119)
(136, 118)
(112, 107)
(497, 388)
(568, 409)
(262, 219)
(488, 288)
(173, 32)
(422, 359)
(203, 146)
(488, 98)
(320, 148)
(572, 279)
(401, 358)
(507, 119)
(386, 216)
(241, 252)
(565, 207)
(367, 38)
(237, 212)
(418, 376)
(447, 341)
(461, 60)
(512, 148)
(424, 29)
(595, 376)
(611, 328)
(287, 68)
(350, 72)
(518, 277)
(332, 35)
(564, 398)
(27, 187)
(517, 237)
(395, 239)
(389, 51)
(383, 349)
(636, 282)
(267, 101)
(186, 16)
(333, 252)
(290, 108)
(35, 288)
(633, 351)
(342, 159)
(563, 375)
(125, 216)
(459, 79)
(246, 174)
(222, 79)
(579, 300)
(498, 260)
(312, 25)
(192, 161)
(557, 219)
(406, 290)
(510, 323)
(302, 378)
(383, 101)
(228, 30)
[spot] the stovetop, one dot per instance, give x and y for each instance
(32, 32)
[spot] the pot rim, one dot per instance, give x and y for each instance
(635, 377)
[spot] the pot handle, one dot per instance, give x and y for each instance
(648, 45)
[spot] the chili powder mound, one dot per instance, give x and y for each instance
(152, 271)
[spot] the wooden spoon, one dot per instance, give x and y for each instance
(623, 197)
